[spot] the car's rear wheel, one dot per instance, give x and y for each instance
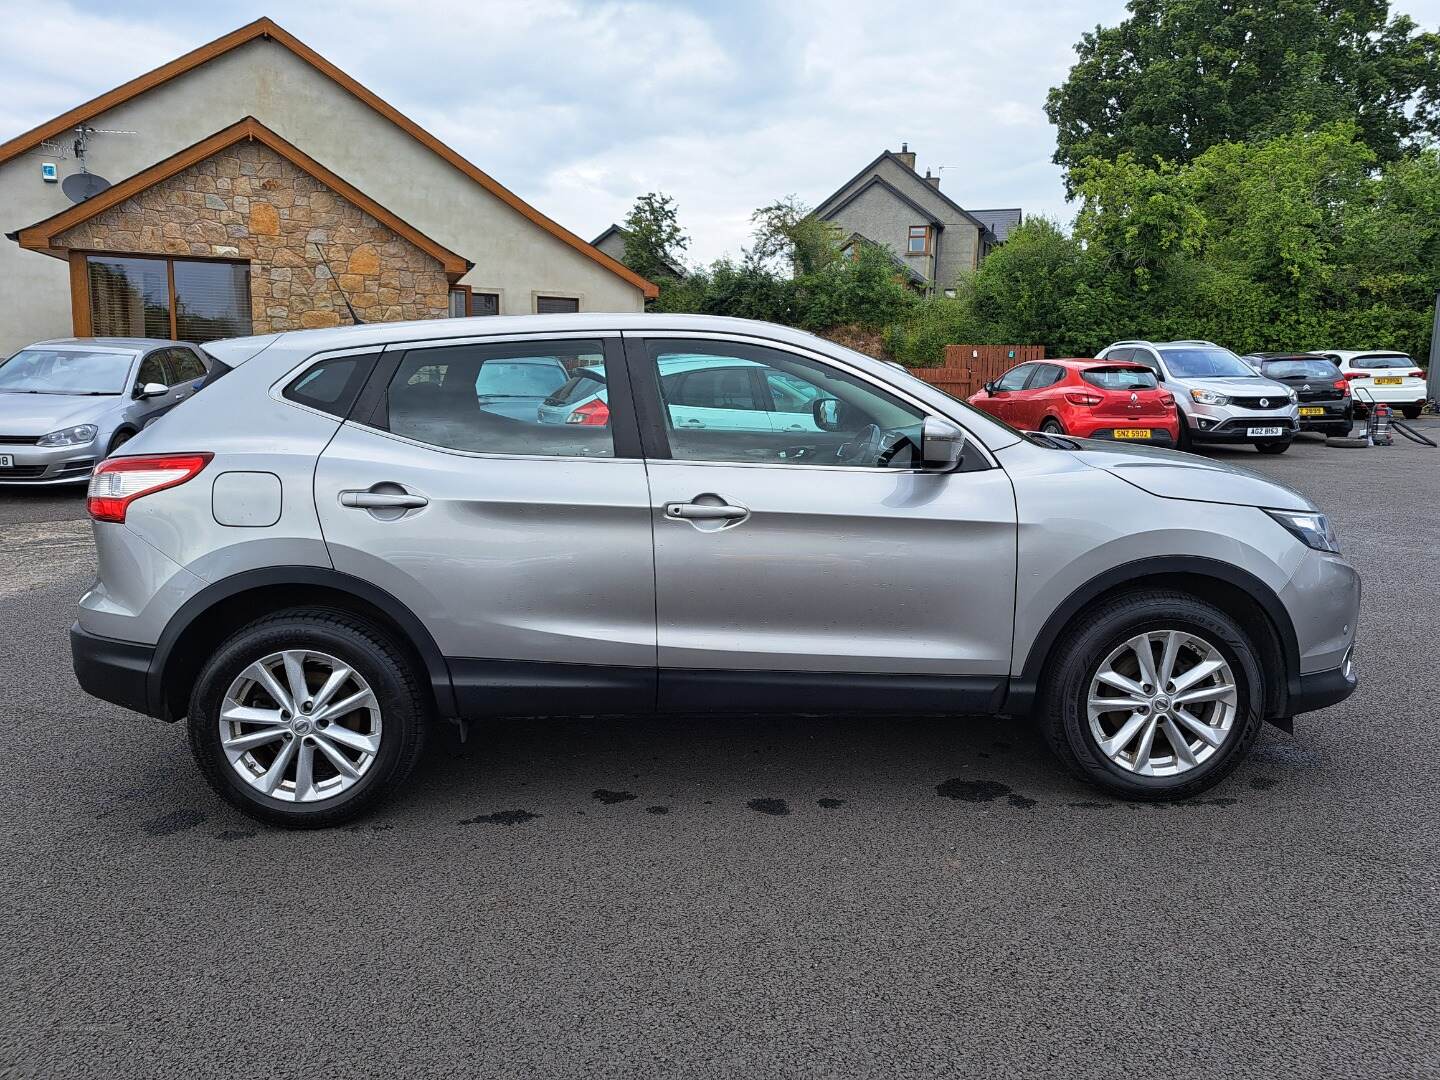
(1153, 695)
(1053, 427)
(307, 718)
(1412, 412)
(1279, 446)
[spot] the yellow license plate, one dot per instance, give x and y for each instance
(1309, 411)
(1387, 380)
(1132, 433)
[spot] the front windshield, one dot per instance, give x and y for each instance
(65, 371)
(1206, 363)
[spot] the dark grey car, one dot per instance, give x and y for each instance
(66, 404)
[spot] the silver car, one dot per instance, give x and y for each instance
(347, 545)
(66, 404)
(1222, 398)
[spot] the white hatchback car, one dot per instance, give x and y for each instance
(1389, 378)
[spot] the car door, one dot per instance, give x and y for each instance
(1005, 390)
(1029, 403)
(800, 569)
(525, 548)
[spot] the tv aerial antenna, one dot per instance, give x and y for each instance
(84, 184)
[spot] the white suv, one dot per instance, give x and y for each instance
(1222, 398)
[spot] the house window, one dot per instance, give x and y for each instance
(185, 299)
(919, 240)
(556, 305)
(464, 301)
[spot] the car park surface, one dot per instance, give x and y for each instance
(711, 897)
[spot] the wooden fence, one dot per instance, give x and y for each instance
(969, 367)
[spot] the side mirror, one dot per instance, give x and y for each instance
(989, 389)
(942, 445)
(151, 389)
(829, 413)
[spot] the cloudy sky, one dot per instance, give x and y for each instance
(578, 106)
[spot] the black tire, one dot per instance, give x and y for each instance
(1185, 443)
(1277, 447)
(361, 645)
(119, 439)
(1412, 412)
(1338, 431)
(1052, 427)
(1065, 686)
(1347, 442)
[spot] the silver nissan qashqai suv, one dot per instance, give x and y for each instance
(344, 539)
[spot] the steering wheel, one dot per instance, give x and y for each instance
(872, 446)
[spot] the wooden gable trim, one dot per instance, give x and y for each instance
(41, 236)
(267, 28)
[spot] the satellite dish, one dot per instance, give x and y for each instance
(81, 186)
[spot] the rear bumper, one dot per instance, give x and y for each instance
(1159, 436)
(113, 671)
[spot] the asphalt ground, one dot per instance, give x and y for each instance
(747, 897)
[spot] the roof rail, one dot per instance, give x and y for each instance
(1194, 341)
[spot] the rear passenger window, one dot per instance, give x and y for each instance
(332, 385)
(185, 366)
(545, 399)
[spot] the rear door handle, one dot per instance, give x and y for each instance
(705, 512)
(379, 500)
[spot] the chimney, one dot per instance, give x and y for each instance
(906, 157)
(933, 181)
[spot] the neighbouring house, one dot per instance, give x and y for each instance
(889, 204)
(253, 187)
(612, 243)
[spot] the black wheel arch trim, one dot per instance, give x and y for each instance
(436, 669)
(1025, 689)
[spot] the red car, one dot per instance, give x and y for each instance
(1090, 399)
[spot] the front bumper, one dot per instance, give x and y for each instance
(1237, 429)
(113, 671)
(45, 465)
(1321, 689)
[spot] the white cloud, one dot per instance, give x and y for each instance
(580, 105)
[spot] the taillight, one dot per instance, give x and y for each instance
(117, 482)
(1083, 399)
(1168, 400)
(1358, 374)
(1417, 374)
(592, 414)
(1343, 387)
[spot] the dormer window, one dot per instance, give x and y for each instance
(919, 240)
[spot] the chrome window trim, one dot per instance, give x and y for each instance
(926, 410)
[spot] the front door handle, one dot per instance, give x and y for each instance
(381, 500)
(705, 512)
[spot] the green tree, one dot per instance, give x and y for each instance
(654, 241)
(1180, 76)
(790, 238)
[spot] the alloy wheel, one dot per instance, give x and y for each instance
(300, 726)
(1162, 703)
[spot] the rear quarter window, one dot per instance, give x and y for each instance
(332, 385)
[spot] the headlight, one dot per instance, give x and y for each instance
(1292, 395)
(1312, 530)
(70, 436)
(1209, 397)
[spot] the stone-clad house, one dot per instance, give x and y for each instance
(889, 204)
(260, 190)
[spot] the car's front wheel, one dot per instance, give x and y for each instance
(307, 718)
(1279, 446)
(1153, 695)
(1412, 412)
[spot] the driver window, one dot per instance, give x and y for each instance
(742, 403)
(152, 369)
(1015, 378)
